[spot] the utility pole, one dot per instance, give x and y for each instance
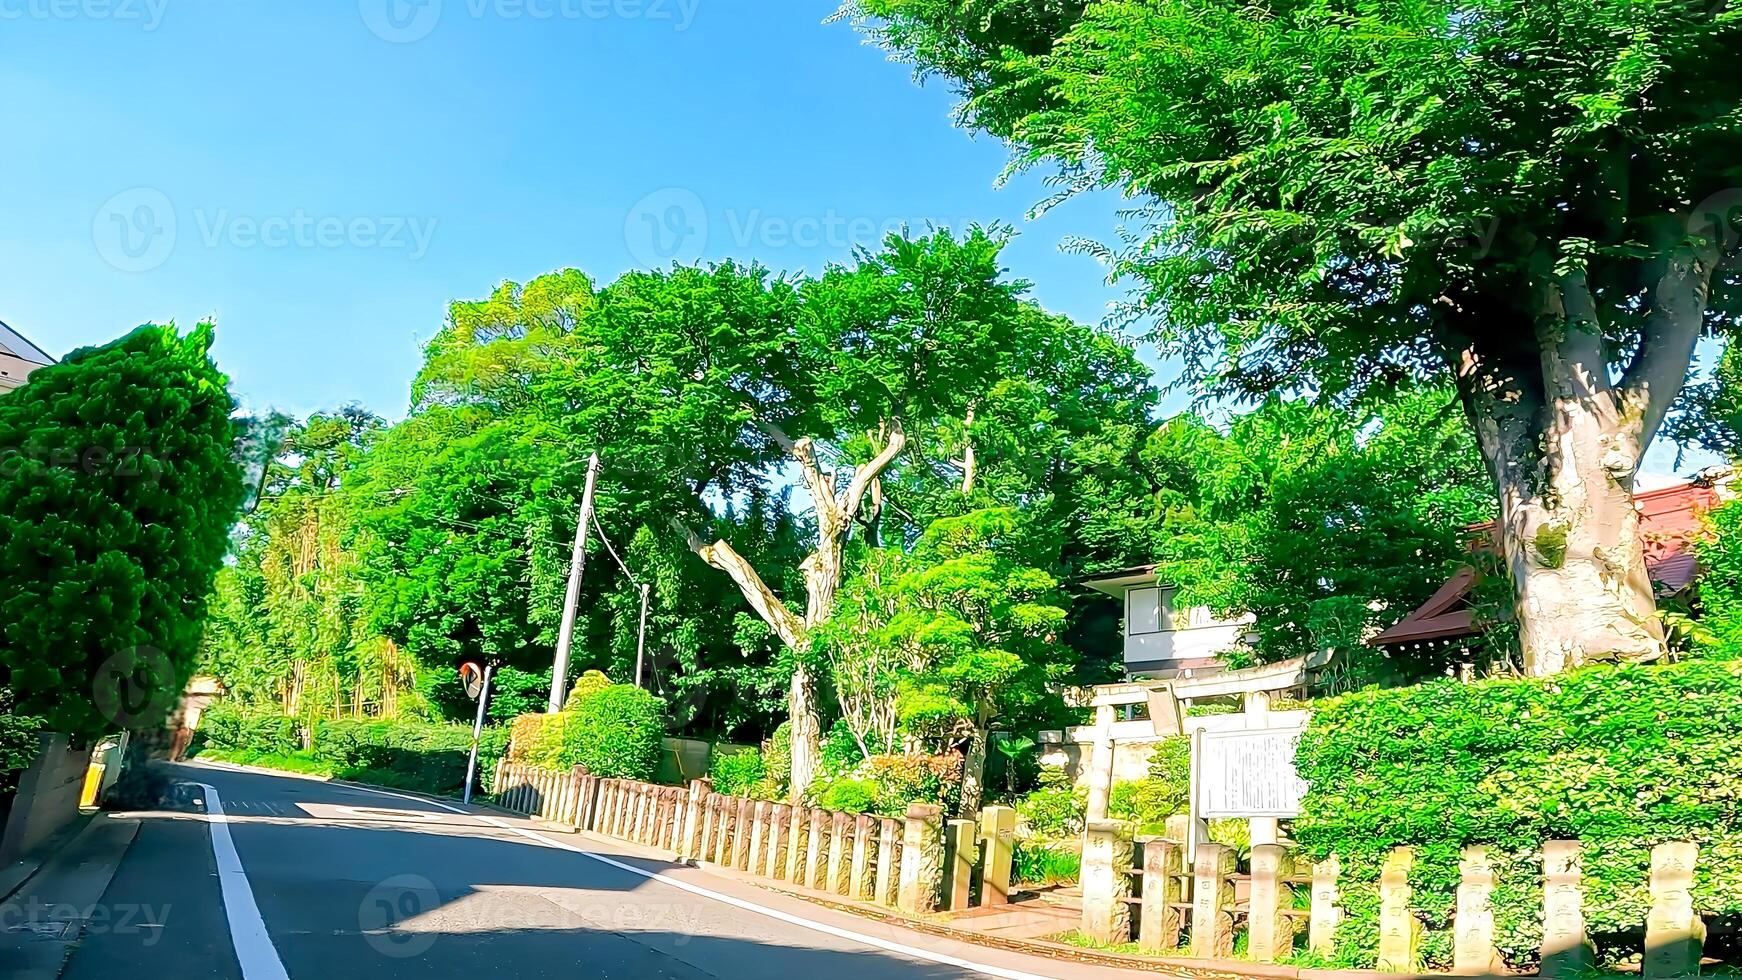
(641, 635)
(559, 671)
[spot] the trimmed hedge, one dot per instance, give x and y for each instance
(615, 731)
(424, 756)
(1619, 757)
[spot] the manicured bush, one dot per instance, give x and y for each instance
(738, 773)
(616, 733)
(1053, 812)
(905, 779)
(849, 795)
(589, 683)
(540, 739)
(1618, 757)
(117, 495)
(233, 728)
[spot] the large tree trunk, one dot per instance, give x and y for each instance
(1563, 437)
(974, 771)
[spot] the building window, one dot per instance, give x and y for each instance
(1145, 611)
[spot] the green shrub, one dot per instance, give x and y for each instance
(849, 795)
(905, 779)
(17, 750)
(1618, 757)
(738, 773)
(1042, 863)
(1053, 812)
(777, 754)
(232, 727)
(540, 739)
(588, 684)
(616, 733)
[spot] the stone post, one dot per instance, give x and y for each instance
(1158, 929)
(1326, 914)
(1270, 930)
(1399, 929)
(797, 836)
(1674, 933)
(710, 826)
(816, 868)
(922, 859)
(1213, 902)
(1566, 949)
(1473, 941)
(1106, 880)
(726, 807)
(758, 837)
(864, 827)
(690, 840)
(840, 856)
(888, 870)
(960, 849)
(779, 820)
(998, 829)
(741, 836)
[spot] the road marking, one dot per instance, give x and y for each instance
(254, 950)
(985, 969)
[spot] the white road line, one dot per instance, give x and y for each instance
(254, 949)
(985, 969)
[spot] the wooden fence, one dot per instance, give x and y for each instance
(918, 863)
(1194, 908)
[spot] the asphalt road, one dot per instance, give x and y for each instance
(349, 883)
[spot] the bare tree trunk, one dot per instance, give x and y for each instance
(1563, 440)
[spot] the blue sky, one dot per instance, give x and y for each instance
(323, 176)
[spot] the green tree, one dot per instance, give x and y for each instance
(116, 498)
(1343, 194)
(980, 626)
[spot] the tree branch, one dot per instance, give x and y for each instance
(1673, 324)
(864, 475)
(724, 557)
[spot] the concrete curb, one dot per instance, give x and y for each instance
(18, 874)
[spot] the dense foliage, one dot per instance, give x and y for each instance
(117, 492)
(1338, 196)
(1620, 758)
(421, 756)
(614, 731)
(18, 740)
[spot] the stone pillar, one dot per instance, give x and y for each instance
(1158, 929)
(741, 836)
(758, 837)
(643, 818)
(797, 837)
(1473, 941)
(1399, 929)
(1106, 880)
(1270, 930)
(1212, 902)
(690, 843)
(888, 870)
(960, 848)
(998, 829)
(1674, 932)
(710, 826)
(725, 807)
(840, 857)
(1566, 949)
(864, 827)
(778, 822)
(922, 859)
(816, 868)
(1327, 915)
(1100, 772)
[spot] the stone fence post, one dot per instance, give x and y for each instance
(1399, 929)
(960, 849)
(922, 859)
(864, 827)
(1326, 914)
(1158, 930)
(1473, 943)
(690, 841)
(1566, 949)
(1106, 880)
(998, 830)
(1213, 901)
(1269, 927)
(1674, 933)
(888, 866)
